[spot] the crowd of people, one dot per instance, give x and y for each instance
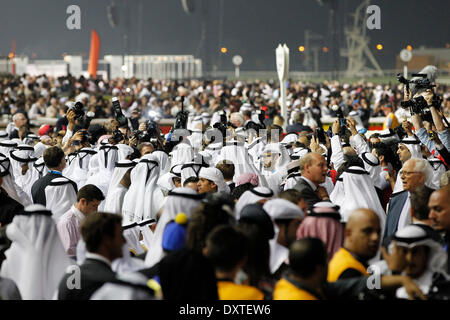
(234, 202)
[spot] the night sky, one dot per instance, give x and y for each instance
(250, 28)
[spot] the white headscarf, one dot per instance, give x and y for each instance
(116, 191)
(39, 169)
(60, 196)
(192, 169)
(165, 181)
(213, 149)
(251, 196)
(413, 146)
(412, 236)
(19, 158)
(131, 234)
(179, 200)
(182, 153)
(293, 176)
(124, 151)
(93, 166)
(9, 184)
(39, 149)
(6, 146)
(280, 209)
(70, 164)
(147, 233)
(359, 192)
(216, 176)
(36, 260)
(239, 155)
(144, 198)
(290, 137)
(107, 158)
(80, 167)
(372, 166)
(164, 161)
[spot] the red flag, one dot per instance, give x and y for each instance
(94, 54)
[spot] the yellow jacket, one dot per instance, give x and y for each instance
(284, 290)
(341, 261)
(231, 291)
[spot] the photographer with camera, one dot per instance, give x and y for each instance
(77, 120)
(424, 105)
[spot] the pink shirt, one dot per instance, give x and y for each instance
(69, 230)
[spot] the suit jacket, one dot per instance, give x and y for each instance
(298, 127)
(38, 188)
(307, 192)
(93, 274)
(14, 134)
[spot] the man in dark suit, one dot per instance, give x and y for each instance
(55, 161)
(298, 124)
(313, 167)
(103, 235)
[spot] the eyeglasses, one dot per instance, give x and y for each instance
(407, 173)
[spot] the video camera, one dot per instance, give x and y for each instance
(419, 105)
(182, 116)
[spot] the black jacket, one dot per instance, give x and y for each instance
(307, 192)
(8, 208)
(93, 274)
(297, 127)
(38, 188)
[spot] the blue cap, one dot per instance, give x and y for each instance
(174, 236)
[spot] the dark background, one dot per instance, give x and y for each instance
(250, 28)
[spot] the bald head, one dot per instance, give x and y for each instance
(362, 233)
(358, 216)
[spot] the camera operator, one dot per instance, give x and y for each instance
(422, 133)
(78, 120)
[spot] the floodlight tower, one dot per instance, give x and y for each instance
(357, 50)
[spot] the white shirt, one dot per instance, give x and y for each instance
(311, 184)
(69, 230)
(95, 256)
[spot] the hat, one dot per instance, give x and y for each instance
(282, 209)
(45, 129)
(174, 236)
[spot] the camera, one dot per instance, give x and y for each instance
(78, 108)
(182, 116)
(118, 114)
(150, 134)
(420, 84)
(419, 105)
(117, 136)
(320, 135)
